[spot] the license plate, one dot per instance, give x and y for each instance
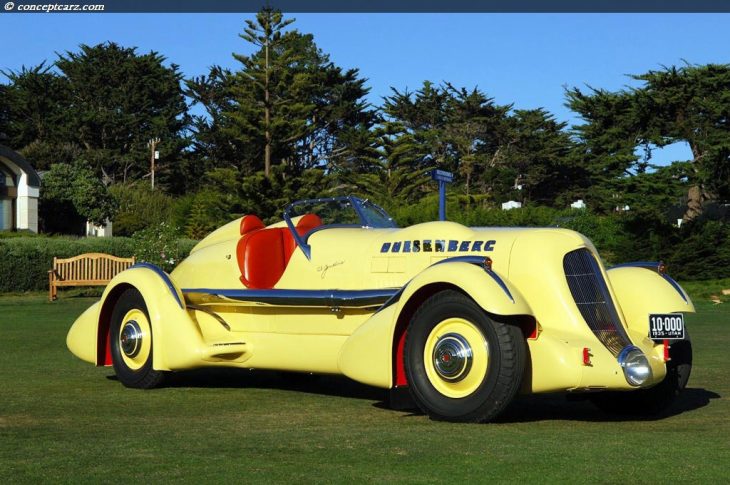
(669, 326)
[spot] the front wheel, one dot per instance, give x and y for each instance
(131, 342)
(461, 365)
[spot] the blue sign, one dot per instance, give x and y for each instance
(442, 176)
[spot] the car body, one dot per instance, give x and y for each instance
(464, 318)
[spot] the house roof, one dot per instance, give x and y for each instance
(22, 163)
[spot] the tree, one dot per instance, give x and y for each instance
(32, 113)
(539, 154)
(692, 104)
(72, 194)
(607, 142)
(120, 100)
(475, 130)
(287, 105)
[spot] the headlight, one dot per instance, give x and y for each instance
(635, 365)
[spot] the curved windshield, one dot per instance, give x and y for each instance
(341, 211)
(305, 216)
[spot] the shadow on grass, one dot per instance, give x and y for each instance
(327, 385)
(548, 407)
(541, 407)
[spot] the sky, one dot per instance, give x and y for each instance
(525, 59)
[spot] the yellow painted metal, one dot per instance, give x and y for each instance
(473, 376)
(359, 343)
(367, 355)
(640, 292)
(81, 338)
(375, 336)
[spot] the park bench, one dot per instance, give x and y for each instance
(90, 269)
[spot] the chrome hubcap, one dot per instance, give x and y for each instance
(452, 357)
(130, 339)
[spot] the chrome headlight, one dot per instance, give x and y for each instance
(635, 365)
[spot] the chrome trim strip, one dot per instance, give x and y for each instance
(676, 286)
(302, 298)
(501, 283)
(640, 264)
(165, 277)
(479, 261)
(393, 299)
(654, 266)
(213, 314)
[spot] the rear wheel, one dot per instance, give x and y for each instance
(460, 364)
(131, 342)
(647, 402)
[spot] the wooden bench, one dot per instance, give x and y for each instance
(90, 269)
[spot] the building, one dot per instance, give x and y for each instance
(19, 191)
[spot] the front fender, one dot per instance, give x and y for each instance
(367, 355)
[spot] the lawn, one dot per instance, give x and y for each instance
(64, 420)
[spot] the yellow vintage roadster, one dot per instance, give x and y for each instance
(461, 318)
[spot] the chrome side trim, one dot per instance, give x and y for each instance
(501, 283)
(654, 266)
(299, 298)
(479, 261)
(393, 299)
(165, 277)
(213, 314)
(676, 287)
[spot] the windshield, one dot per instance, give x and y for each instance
(306, 216)
(341, 211)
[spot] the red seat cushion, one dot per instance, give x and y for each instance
(263, 254)
(261, 258)
(250, 223)
(307, 223)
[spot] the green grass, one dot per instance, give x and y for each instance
(706, 290)
(64, 420)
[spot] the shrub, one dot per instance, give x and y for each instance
(140, 207)
(25, 261)
(158, 245)
(701, 251)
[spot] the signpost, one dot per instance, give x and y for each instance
(442, 177)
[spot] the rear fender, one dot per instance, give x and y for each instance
(369, 354)
(176, 341)
(641, 290)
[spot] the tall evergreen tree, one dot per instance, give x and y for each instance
(692, 104)
(34, 111)
(121, 100)
(607, 142)
(287, 105)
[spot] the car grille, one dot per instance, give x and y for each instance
(592, 298)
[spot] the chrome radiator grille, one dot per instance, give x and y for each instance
(592, 298)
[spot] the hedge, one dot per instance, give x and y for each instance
(25, 261)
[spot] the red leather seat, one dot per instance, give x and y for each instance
(250, 223)
(263, 254)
